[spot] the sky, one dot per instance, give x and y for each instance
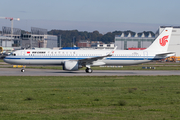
(90, 15)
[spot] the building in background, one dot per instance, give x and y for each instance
(5, 41)
(133, 41)
(84, 44)
(38, 39)
(10, 40)
(105, 46)
(95, 45)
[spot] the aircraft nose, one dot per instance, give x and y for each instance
(6, 60)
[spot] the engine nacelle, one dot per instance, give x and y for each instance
(71, 65)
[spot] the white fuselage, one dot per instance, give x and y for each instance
(74, 59)
(58, 57)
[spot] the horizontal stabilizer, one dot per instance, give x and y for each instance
(165, 53)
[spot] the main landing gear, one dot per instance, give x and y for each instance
(88, 70)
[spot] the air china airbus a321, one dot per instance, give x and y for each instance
(72, 60)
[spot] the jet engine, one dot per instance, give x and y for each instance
(71, 65)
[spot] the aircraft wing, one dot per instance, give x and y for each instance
(92, 59)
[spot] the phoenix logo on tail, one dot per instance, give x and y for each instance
(163, 40)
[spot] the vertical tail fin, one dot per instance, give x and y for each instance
(161, 43)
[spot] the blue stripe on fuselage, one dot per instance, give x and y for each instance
(71, 58)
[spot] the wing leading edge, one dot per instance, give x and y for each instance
(92, 59)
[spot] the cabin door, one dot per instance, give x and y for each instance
(145, 53)
(23, 57)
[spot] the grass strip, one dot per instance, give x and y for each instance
(104, 97)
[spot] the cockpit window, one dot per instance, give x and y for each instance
(12, 54)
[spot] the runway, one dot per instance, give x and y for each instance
(48, 72)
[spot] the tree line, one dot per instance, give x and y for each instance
(67, 36)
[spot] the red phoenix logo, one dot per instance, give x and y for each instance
(163, 40)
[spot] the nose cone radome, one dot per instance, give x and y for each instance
(6, 60)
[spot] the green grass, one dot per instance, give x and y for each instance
(1, 60)
(91, 98)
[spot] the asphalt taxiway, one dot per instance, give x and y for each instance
(48, 72)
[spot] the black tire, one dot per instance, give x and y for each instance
(87, 70)
(90, 70)
(22, 70)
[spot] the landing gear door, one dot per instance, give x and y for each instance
(145, 53)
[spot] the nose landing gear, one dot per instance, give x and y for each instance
(23, 69)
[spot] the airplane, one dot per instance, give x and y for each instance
(72, 60)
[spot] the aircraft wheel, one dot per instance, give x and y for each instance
(86, 70)
(22, 70)
(89, 70)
